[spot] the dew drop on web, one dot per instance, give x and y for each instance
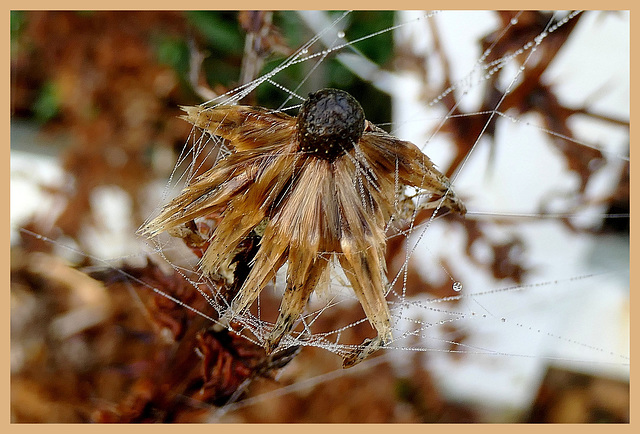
(457, 286)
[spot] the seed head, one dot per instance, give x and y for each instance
(329, 123)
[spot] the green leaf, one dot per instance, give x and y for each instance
(47, 104)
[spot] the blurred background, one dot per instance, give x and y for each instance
(95, 136)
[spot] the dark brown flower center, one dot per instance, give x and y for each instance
(329, 124)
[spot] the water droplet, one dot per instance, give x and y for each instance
(514, 21)
(457, 286)
(340, 34)
(304, 51)
(503, 319)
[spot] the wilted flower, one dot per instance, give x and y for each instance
(325, 183)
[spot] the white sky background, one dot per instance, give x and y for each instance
(592, 312)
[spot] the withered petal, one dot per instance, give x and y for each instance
(245, 127)
(295, 299)
(390, 155)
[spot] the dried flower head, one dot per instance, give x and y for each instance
(325, 183)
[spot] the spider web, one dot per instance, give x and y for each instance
(516, 324)
(483, 322)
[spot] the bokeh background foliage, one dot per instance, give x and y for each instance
(101, 93)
